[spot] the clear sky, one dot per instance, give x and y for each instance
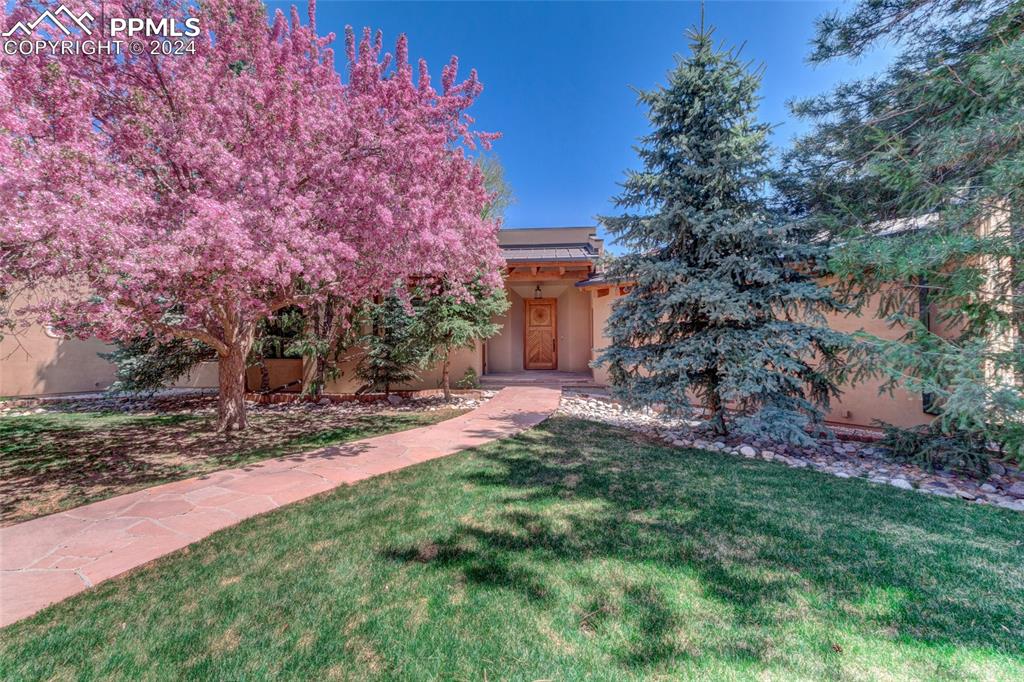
(557, 79)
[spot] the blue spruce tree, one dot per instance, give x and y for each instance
(725, 311)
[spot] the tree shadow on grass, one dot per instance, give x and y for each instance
(58, 460)
(768, 544)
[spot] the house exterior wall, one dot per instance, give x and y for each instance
(281, 371)
(202, 376)
(505, 350)
(573, 330)
(601, 300)
(33, 362)
(859, 404)
(36, 363)
(863, 403)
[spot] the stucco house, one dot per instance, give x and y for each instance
(551, 333)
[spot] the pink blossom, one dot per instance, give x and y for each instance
(194, 195)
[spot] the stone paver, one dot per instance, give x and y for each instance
(48, 559)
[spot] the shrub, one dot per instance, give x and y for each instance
(469, 379)
(931, 448)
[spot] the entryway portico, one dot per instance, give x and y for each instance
(547, 335)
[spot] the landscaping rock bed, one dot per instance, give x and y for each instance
(395, 397)
(379, 403)
(839, 457)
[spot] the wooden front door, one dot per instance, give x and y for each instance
(540, 346)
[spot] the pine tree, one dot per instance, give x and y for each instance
(450, 318)
(934, 143)
(146, 365)
(393, 347)
(723, 307)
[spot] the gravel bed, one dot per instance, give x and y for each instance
(844, 459)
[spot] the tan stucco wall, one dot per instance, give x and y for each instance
(34, 363)
(461, 360)
(203, 376)
(573, 330)
(281, 371)
(505, 351)
(547, 235)
(602, 309)
(859, 405)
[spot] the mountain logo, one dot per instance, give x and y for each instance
(70, 20)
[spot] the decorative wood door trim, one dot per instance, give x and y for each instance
(539, 332)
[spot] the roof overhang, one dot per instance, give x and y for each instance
(562, 271)
(550, 253)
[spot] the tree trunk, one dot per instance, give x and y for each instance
(1017, 287)
(231, 376)
(716, 408)
(323, 323)
(316, 388)
(445, 384)
(264, 376)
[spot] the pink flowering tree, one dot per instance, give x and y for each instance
(194, 195)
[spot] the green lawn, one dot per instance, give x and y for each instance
(571, 552)
(54, 461)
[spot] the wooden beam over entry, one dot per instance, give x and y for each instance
(555, 274)
(554, 271)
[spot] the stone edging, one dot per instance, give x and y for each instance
(843, 459)
(277, 398)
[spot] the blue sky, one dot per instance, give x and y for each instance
(557, 79)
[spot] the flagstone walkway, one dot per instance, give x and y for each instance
(48, 559)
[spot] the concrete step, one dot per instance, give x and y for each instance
(538, 378)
